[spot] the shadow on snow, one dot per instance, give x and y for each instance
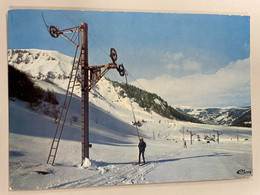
(104, 127)
(168, 160)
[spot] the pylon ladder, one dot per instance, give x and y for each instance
(64, 110)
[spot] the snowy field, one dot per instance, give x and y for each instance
(115, 150)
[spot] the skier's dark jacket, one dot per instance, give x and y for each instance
(142, 146)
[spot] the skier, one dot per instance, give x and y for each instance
(185, 144)
(141, 147)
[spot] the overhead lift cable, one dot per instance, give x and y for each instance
(135, 122)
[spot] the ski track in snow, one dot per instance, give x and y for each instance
(117, 174)
(125, 174)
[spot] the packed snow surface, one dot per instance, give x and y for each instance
(114, 140)
(115, 150)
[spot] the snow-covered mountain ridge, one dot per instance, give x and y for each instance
(50, 70)
(220, 115)
(54, 67)
(41, 63)
(44, 65)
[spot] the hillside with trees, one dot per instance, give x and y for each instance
(23, 88)
(151, 102)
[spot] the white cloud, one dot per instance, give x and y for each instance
(173, 56)
(219, 89)
(178, 62)
(175, 67)
(189, 65)
(177, 56)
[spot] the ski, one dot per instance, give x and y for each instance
(140, 164)
(42, 172)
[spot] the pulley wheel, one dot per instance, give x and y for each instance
(54, 32)
(113, 55)
(121, 70)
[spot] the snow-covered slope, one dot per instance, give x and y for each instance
(115, 150)
(54, 68)
(114, 139)
(43, 65)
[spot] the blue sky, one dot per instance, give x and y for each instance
(149, 45)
